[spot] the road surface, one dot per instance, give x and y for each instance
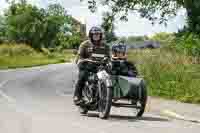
(39, 100)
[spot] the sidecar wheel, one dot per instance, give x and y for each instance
(105, 101)
(141, 102)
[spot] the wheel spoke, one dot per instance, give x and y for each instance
(103, 98)
(86, 94)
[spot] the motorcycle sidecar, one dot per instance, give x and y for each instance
(132, 90)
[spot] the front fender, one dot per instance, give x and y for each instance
(105, 77)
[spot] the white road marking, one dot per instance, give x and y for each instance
(8, 98)
(11, 101)
(178, 116)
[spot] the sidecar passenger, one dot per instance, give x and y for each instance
(121, 66)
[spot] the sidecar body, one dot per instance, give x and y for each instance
(129, 92)
(128, 87)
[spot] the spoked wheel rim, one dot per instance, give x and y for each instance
(105, 101)
(86, 94)
(86, 97)
(103, 98)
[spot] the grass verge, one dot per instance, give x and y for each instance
(19, 56)
(168, 74)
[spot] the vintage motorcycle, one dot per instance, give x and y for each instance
(97, 93)
(105, 87)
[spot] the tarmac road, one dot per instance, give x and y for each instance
(39, 100)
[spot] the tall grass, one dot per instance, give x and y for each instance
(169, 74)
(21, 55)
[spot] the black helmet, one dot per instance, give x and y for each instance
(95, 30)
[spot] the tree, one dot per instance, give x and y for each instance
(193, 13)
(108, 27)
(57, 10)
(55, 22)
(150, 9)
(25, 24)
(154, 10)
(38, 27)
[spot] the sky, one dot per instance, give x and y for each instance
(136, 26)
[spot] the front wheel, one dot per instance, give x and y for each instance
(105, 100)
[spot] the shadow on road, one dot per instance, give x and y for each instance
(131, 118)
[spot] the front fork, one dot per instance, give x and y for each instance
(108, 83)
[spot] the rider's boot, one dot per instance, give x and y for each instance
(83, 110)
(77, 100)
(77, 95)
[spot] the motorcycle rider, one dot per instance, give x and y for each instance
(90, 49)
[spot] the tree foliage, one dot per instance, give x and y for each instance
(2, 29)
(38, 27)
(108, 27)
(193, 13)
(154, 10)
(188, 44)
(25, 24)
(151, 9)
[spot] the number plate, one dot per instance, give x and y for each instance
(103, 75)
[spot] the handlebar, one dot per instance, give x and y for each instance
(89, 60)
(103, 64)
(93, 61)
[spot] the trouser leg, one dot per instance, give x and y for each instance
(82, 78)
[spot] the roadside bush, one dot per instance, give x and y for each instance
(188, 44)
(70, 41)
(165, 39)
(45, 51)
(16, 49)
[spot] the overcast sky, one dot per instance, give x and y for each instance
(135, 25)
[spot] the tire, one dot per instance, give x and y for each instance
(83, 110)
(143, 100)
(104, 107)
